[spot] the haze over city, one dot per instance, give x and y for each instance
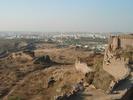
(66, 15)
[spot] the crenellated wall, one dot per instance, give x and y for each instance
(122, 41)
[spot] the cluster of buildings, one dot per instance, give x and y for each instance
(85, 40)
(42, 35)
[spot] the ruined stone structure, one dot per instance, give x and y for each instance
(82, 66)
(114, 63)
(122, 41)
(117, 65)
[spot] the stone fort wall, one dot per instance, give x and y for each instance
(122, 41)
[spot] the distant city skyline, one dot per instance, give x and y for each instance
(66, 15)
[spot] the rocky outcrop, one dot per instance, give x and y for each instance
(44, 60)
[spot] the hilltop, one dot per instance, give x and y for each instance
(61, 73)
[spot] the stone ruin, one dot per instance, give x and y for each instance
(114, 63)
(118, 62)
(82, 66)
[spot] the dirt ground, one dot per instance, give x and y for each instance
(24, 80)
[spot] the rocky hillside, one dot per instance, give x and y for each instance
(50, 73)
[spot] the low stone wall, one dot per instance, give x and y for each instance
(82, 67)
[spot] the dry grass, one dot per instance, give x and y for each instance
(36, 83)
(33, 85)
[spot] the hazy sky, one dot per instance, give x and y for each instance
(66, 15)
